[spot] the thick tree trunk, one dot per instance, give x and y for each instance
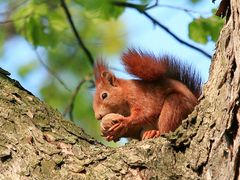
(37, 143)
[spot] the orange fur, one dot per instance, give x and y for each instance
(135, 62)
(154, 104)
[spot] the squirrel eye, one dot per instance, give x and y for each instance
(104, 95)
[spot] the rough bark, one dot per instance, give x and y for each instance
(37, 143)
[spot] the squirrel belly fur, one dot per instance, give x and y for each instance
(164, 93)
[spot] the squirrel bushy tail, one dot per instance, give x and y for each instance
(150, 68)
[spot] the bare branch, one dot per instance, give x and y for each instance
(50, 70)
(153, 6)
(156, 4)
(11, 9)
(155, 22)
(73, 27)
(175, 36)
(182, 9)
(14, 20)
(69, 108)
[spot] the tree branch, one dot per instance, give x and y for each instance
(11, 9)
(175, 36)
(13, 20)
(79, 40)
(50, 70)
(182, 9)
(70, 106)
(156, 4)
(155, 22)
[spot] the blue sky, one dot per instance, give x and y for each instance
(140, 33)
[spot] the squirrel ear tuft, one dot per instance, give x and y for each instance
(109, 78)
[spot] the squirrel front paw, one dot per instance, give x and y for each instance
(150, 134)
(113, 126)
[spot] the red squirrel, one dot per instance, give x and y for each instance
(163, 94)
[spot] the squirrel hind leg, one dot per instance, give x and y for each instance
(176, 107)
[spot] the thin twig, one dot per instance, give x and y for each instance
(14, 20)
(182, 9)
(50, 70)
(69, 108)
(187, 11)
(154, 21)
(153, 6)
(156, 4)
(11, 9)
(79, 40)
(175, 36)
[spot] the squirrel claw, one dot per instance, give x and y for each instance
(117, 130)
(111, 138)
(114, 127)
(150, 134)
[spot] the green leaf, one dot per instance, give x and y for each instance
(202, 30)
(27, 68)
(104, 8)
(43, 23)
(40, 24)
(107, 31)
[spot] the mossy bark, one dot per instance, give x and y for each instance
(37, 143)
